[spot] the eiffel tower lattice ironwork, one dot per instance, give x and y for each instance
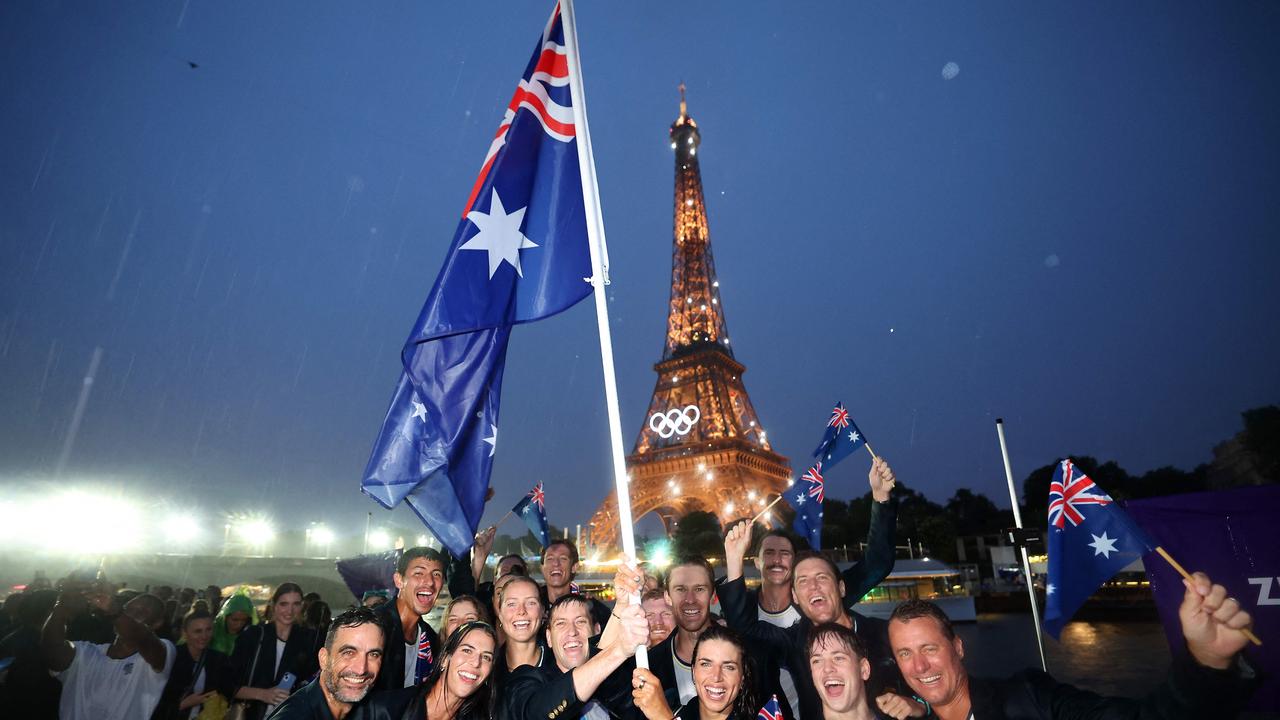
(701, 446)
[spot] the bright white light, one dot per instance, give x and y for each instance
(728, 507)
(321, 535)
(751, 495)
(256, 533)
(675, 489)
(180, 529)
(661, 557)
(378, 539)
(422, 541)
(768, 517)
(74, 522)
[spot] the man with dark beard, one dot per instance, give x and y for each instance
(349, 664)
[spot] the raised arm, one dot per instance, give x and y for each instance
(142, 637)
(58, 652)
(530, 695)
(880, 555)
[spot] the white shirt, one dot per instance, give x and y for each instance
(786, 680)
(97, 687)
(410, 662)
(595, 711)
(684, 677)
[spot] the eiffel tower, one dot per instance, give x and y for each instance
(701, 446)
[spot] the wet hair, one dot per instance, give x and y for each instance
(813, 555)
(517, 580)
(570, 599)
(481, 704)
(831, 633)
(748, 702)
(693, 561)
(285, 589)
(318, 615)
(654, 594)
(349, 618)
(778, 533)
(573, 550)
(471, 600)
(196, 615)
(523, 566)
(413, 553)
(916, 608)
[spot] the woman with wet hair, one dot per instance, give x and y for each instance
(273, 659)
(723, 679)
(462, 609)
(520, 611)
(460, 687)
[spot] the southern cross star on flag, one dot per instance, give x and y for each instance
(805, 496)
(519, 254)
(532, 508)
(1090, 540)
(841, 439)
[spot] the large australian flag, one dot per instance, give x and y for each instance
(520, 253)
(805, 496)
(532, 508)
(841, 439)
(1090, 540)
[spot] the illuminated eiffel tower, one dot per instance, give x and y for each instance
(701, 446)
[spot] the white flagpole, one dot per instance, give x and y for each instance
(596, 238)
(1026, 562)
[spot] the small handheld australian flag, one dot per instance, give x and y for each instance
(805, 496)
(1090, 540)
(532, 509)
(842, 438)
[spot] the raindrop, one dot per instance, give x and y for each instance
(1052, 261)
(950, 71)
(124, 256)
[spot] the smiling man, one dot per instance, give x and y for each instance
(1210, 681)
(349, 665)
(690, 589)
(820, 594)
(411, 643)
(839, 667)
(581, 684)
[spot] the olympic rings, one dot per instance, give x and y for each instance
(677, 421)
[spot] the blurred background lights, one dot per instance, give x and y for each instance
(180, 528)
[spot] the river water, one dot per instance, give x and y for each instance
(1112, 658)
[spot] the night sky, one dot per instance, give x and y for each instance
(1063, 214)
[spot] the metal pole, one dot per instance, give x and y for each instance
(1026, 561)
(599, 269)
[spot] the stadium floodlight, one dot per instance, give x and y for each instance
(422, 541)
(321, 535)
(379, 540)
(256, 532)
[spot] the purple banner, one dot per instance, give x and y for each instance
(1232, 537)
(363, 573)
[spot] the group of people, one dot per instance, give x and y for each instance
(517, 649)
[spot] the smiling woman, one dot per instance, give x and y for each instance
(459, 688)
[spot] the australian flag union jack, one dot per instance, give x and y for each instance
(532, 508)
(770, 711)
(1090, 540)
(805, 496)
(841, 439)
(519, 254)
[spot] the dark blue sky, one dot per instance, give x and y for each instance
(1077, 232)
